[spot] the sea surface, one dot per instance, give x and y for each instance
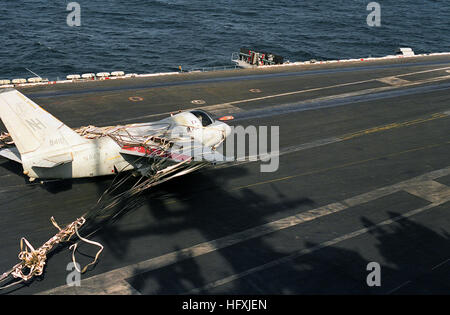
(161, 35)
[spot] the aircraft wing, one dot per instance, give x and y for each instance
(154, 152)
(54, 160)
(134, 155)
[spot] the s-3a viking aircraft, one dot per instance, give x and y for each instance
(49, 149)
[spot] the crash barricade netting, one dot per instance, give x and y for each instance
(5, 140)
(121, 196)
(119, 133)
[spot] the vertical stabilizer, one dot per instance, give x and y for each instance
(32, 128)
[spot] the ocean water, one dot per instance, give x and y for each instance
(160, 35)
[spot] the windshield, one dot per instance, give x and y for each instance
(204, 117)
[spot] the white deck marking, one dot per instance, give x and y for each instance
(410, 83)
(410, 281)
(221, 108)
(429, 190)
(198, 102)
(112, 278)
(310, 250)
(440, 264)
(423, 71)
(394, 81)
(120, 287)
(214, 109)
(361, 92)
(399, 287)
(331, 140)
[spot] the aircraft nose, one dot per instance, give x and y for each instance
(227, 130)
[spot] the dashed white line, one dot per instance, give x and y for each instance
(368, 91)
(306, 251)
(441, 264)
(111, 278)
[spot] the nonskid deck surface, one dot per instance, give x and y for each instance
(364, 176)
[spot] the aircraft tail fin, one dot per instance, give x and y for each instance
(32, 128)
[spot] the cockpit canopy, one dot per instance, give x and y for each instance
(205, 118)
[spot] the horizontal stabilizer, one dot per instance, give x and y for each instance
(54, 160)
(11, 154)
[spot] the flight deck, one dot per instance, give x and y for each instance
(364, 176)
